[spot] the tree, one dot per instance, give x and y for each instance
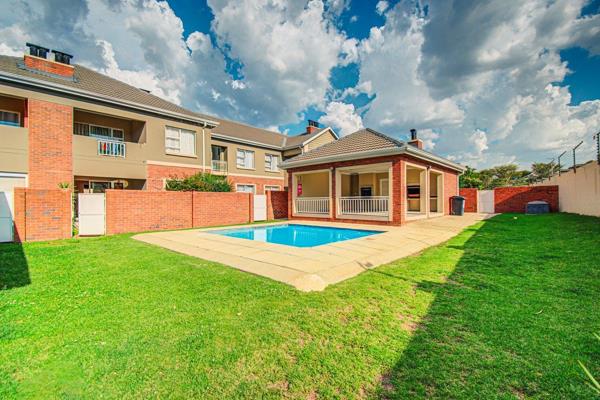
(541, 171)
(200, 182)
(470, 179)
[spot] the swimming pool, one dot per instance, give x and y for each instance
(295, 235)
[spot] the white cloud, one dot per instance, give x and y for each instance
(381, 7)
(479, 83)
(482, 78)
(342, 117)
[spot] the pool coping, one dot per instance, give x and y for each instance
(313, 268)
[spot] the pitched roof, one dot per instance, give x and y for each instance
(359, 141)
(363, 144)
(87, 80)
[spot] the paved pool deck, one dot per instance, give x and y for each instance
(314, 268)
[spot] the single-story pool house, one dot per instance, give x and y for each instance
(369, 177)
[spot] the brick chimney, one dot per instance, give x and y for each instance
(414, 141)
(36, 60)
(313, 126)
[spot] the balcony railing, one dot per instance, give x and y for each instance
(312, 205)
(219, 166)
(111, 148)
(357, 205)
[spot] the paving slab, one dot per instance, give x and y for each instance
(314, 268)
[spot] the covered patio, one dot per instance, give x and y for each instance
(389, 182)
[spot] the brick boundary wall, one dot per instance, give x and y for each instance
(471, 199)
(140, 211)
(515, 199)
(214, 209)
(42, 214)
(277, 204)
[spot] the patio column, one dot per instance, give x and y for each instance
(333, 192)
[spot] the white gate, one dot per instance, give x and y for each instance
(91, 211)
(6, 216)
(486, 201)
(260, 207)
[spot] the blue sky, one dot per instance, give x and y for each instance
(488, 84)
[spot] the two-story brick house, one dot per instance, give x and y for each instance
(66, 124)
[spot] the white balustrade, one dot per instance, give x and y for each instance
(358, 205)
(312, 205)
(111, 148)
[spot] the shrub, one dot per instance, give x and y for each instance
(200, 182)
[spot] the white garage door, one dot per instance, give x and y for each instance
(7, 184)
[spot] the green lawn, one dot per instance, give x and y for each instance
(504, 310)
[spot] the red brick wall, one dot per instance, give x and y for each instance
(42, 214)
(515, 199)
(471, 199)
(259, 182)
(214, 209)
(48, 66)
(156, 175)
(277, 204)
(50, 144)
(138, 211)
(398, 184)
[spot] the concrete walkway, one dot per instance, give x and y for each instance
(314, 268)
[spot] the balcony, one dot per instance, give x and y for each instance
(111, 148)
(219, 166)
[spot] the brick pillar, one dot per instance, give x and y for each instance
(250, 207)
(50, 144)
(398, 189)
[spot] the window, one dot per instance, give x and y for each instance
(97, 131)
(245, 159)
(10, 118)
(272, 188)
(180, 141)
(245, 188)
(271, 162)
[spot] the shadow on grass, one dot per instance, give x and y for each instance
(512, 319)
(14, 271)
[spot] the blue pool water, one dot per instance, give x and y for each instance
(295, 235)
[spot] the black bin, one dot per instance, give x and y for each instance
(458, 205)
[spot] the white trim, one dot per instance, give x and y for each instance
(272, 186)
(13, 174)
(108, 99)
(406, 149)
